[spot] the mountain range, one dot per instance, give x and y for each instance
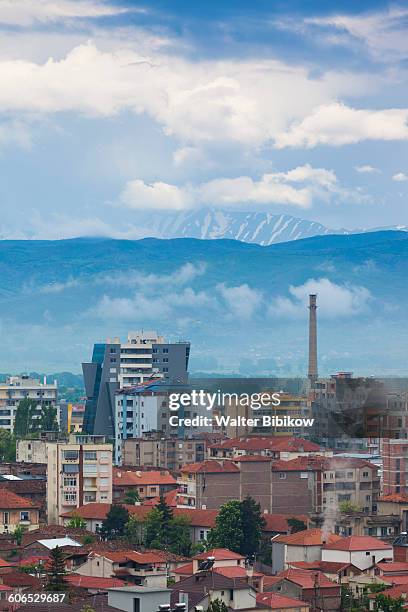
(262, 228)
(243, 306)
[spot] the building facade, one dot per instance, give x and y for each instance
(117, 365)
(78, 472)
(169, 453)
(17, 388)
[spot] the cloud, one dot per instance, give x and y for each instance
(383, 33)
(366, 169)
(27, 12)
(242, 301)
(400, 177)
(154, 196)
(14, 132)
(298, 187)
(333, 300)
(337, 124)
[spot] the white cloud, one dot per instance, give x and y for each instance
(297, 187)
(366, 169)
(336, 124)
(400, 177)
(242, 301)
(333, 300)
(27, 12)
(154, 196)
(383, 33)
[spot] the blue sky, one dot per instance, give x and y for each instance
(113, 109)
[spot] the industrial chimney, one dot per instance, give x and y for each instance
(312, 372)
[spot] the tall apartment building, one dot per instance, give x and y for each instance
(117, 365)
(17, 388)
(78, 472)
(394, 453)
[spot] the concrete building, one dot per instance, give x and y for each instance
(138, 599)
(163, 452)
(117, 365)
(78, 472)
(275, 447)
(35, 451)
(394, 453)
(360, 551)
(17, 388)
(305, 546)
(149, 484)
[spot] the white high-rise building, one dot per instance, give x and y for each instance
(17, 388)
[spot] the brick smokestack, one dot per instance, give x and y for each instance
(312, 372)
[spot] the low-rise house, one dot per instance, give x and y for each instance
(221, 558)
(148, 484)
(361, 551)
(16, 510)
(396, 504)
(337, 572)
(301, 546)
(361, 523)
(93, 584)
(310, 586)
(393, 568)
(276, 447)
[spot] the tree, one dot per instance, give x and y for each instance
(76, 522)
(56, 573)
(132, 497)
(48, 419)
(7, 446)
(153, 529)
(385, 603)
(87, 608)
(114, 524)
(217, 605)
(24, 417)
(347, 507)
(167, 512)
(179, 539)
(228, 532)
(252, 523)
(18, 534)
(133, 531)
(296, 525)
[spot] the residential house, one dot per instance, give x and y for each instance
(301, 546)
(17, 511)
(312, 587)
(361, 551)
(148, 484)
(280, 603)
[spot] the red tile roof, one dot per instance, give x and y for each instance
(308, 537)
(170, 498)
(9, 500)
(94, 582)
(271, 580)
(219, 554)
(132, 555)
(137, 478)
(327, 567)
(393, 566)
(21, 579)
(184, 570)
(355, 543)
(399, 498)
(275, 601)
(307, 579)
(235, 571)
(395, 579)
(272, 443)
(279, 522)
(210, 466)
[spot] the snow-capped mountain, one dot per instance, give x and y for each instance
(262, 228)
(254, 227)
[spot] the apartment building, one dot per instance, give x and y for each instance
(116, 365)
(35, 451)
(276, 447)
(78, 472)
(163, 452)
(355, 481)
(148, 485)
(17, 388)
(394, 453)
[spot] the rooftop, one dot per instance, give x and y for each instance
(308, 537)
(275, 601)
(210, 466)
(307, 579)
(219, 554)
(356, 543)
(9, 500)
(136, 478)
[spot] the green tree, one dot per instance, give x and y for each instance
(228, 532)
(18, 534)
(87, 608)
(24, 417)
(76, 522)
(296, 525)
(48, 419)
(132, 497)
(114, 524)
(56, 574)
(179, 538)
(153, 529)
(385, 603)
(7, 446)
(252, 523)
(347, 507)
(134, 531)
(217, 605)
(167, 512)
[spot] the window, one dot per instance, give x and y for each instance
(104, 482)
(282, 475)
(90, 455)
(165, 369)
(70, 482)
(71, 455)
(365, 474)
(6, 518)
(165, 350)
(70, 497)
(25, 516)
(90, 468)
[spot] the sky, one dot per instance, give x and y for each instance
(114, 109)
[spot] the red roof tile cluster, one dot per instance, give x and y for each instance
(399, 498)
(11, 501)
(94, 582)
(132, 555)
(275, 601)
(219, 554)
(279, 522)
(307, 579)
(393, 566)
(235, 571)
(356, 543)
(308, 537)
(137, 478)
(210, 466)
(320, 463)
(170, 498)
(271, 443)
(327, 567)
